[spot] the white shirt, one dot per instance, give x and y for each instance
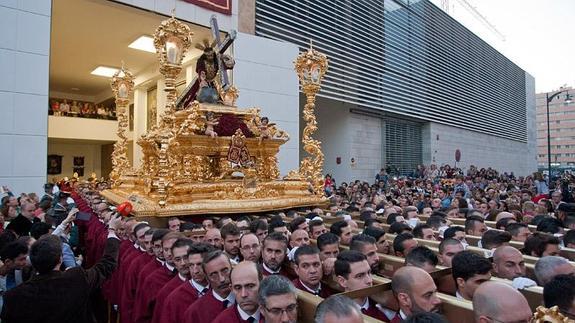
(170, 268)
(231, 298)
(402, 315)
(365, 305)
(199, 288)
(316, 291)
(459, 296)
(266, 268)
(245, 316)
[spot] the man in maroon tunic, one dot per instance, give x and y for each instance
(95, 228)
(130, 248)
(180, 259)
(158, 261)
(217, 267)
(309, 271)
(245, 279)
(180, 299)
(353, 272)
(231, 236)
(273, 254)
(112, 287)
(151, 285)
(134, 267)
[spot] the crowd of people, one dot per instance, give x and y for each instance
(69, 257)
(63, 108)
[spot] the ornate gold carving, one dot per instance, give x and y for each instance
(194, 123)
(185, 171)
(230, 96)
(172, 40)
(551, 315)
(310, 67)
(122, 85)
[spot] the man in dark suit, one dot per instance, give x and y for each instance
(22, 224)
(55, 296)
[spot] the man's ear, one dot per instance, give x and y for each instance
(404, 299)
(460, 282)
(341, 281)
(494, 268)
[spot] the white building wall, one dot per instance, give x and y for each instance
(265, 77)
(24, 51)
(481, 150)
(348, 135)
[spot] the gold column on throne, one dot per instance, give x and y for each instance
(172, 40)
(122, 85)
(311, 67)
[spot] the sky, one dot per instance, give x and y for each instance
(538, 35)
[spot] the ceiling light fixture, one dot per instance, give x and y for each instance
(145, 43)
(104, 71)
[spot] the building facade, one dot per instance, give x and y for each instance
(561, 129)
(408, 85)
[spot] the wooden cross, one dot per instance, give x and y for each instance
(221, 47)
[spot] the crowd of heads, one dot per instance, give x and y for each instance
(262, 259)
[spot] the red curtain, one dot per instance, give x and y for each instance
(222, 6)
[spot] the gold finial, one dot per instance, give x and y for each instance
(311, 44)
(174, 12)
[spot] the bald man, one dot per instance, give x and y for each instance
(415, 292)
(245, 279)
(492, 302)
(508, 263)
(214, 237)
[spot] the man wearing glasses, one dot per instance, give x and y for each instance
(250, 247)
(278, 300)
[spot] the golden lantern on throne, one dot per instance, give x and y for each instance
(172, 40)
(122, 86)
(311, 67)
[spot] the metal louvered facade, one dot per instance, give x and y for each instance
(403, 145)
(406, 57)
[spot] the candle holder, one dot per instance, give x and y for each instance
(311, 67)
(172, 40)
(122, 85)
